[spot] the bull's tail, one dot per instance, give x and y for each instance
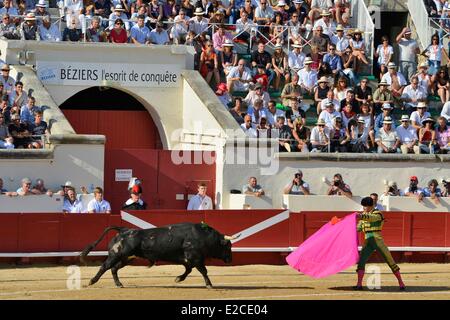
(91, 246)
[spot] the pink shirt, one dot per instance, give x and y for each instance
(443, 138)
(218, 40)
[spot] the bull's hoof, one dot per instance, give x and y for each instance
(178, 279)
(209, 286)
(91, 283)
(119, 285)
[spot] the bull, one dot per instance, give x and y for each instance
(188, 244)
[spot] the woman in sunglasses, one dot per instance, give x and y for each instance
(209, 64)
(441, 84)
(118, 33)
(434, 54)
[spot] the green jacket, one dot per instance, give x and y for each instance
(371, 223)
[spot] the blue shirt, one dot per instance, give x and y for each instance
(379, 122)
(27, 115)
(427, 193)
(140, 34)
(334, 61)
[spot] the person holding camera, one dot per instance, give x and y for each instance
(338, 187)
(413, 190)
(446, 184)
(297, 186)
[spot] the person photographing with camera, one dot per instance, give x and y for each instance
(297, 186)
(446, 184)
(413, 190)
(338, 187)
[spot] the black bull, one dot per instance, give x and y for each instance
(188, 244)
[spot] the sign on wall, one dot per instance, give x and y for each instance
(124, 174)
(104, 74)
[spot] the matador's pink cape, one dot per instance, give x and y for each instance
(331, 249)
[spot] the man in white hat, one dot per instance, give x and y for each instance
(49, 31)
(307, 77)
(199, 23)
(340, 40)
(395, 80)
(326, 22)
(387, 138)
(180, 28)
(296, 58)
(291, 90)
(409, 49)
(317, 6)
(387, 113)
(281, 9)
(424, 77)
(329, 114)
(119, 12)
(408, 136)
(419, 115)
(7, 81)
(320, 137)
(413, 94)
(41, 10)
(28, 28)
(381, 96)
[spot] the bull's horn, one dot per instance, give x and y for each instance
(232, 237)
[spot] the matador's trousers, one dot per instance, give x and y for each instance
(376, 243)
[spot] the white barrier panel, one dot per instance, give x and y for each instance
(297, 203)
(41, 203)
(411, 204)
(242, 201)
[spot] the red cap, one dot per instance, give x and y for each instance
(222, 86)
(136, 189)
(413, 178)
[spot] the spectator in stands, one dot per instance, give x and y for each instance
(200, 201)
(27, 111)
(71, 203)
(273, 113)
(338, 136)
(297, 22)
(320, 137)
(409, 49)
(6, 141)
(443, 136)
(236, 111)
(334, 61)
(427, 136)
(180, 28)
(222, 94)
(257, 94)
(326, 22)
(96, 33)
(228, 57)
(307, 78)
(413, 94)
(140, 33)
(432, 191)
(49, 31)
(340, 40)
(379, 120)
(2, 190)
(297, 186)
(25, 189)
(434, 53)
(295, 112)
(102, 8)
(38, 129)
(363, 92)
(320, 40)
(248, 127)
(135, 202)
(257, 111)
(301, 135)
(392, 190)
(72, 32)
(347, 114)
(446, 185)
(321, 93)
(329, 114)
(424, 78)
(284, 135)
(253, 188)
(339, 187)
(431, 7)
(5, 109)
(118, 13)
(413, 189)
(98, 204)
(239, 77)
(291, 90)
(382, 96)
(261, 77)
(387, 138)
(369, 121)
(277, 29)
(419, 115)
(317, 6)
(280, 66)
(263, 15)
(359, 48)
(349, 99)
(19, 131)
(441, 84)
(7, 81)
(245, 28)
(348, 63)
(384, 55)
(220, 37)
(74, 10)
(8, 29)
(262, 57)
(29, 29)
(395, 80)
(296, 58)
(161, 37)
(357, 135)
(9, 8)
(39, 188)
(446, 111)
(340, 91)
(408, 137)
(330, 98)
(198, 24)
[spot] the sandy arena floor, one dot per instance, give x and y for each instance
(424, 281)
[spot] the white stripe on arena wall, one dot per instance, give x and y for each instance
(243, 234)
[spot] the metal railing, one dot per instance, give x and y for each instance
(419, 16)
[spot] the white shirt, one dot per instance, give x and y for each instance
(246, 74)
(388, 79)
(340, 43)
(248, 26)
(179, 27)
(159, 37)
(435, 53)
(272, 118)
(384, 54)
(198, 26)
(336, 103)
(408, 49)
(317, 138)
(261, 13)
(328, 29)
(113, 17)
(198, 202)
(307, 78)
(328, 117)
(419, 94)
(250, 132)
(73, 5)
(417, 118)
(446, 111)
(76, 207)
(406, 135)
(99, 207)
(51, 34)
(296, 61)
